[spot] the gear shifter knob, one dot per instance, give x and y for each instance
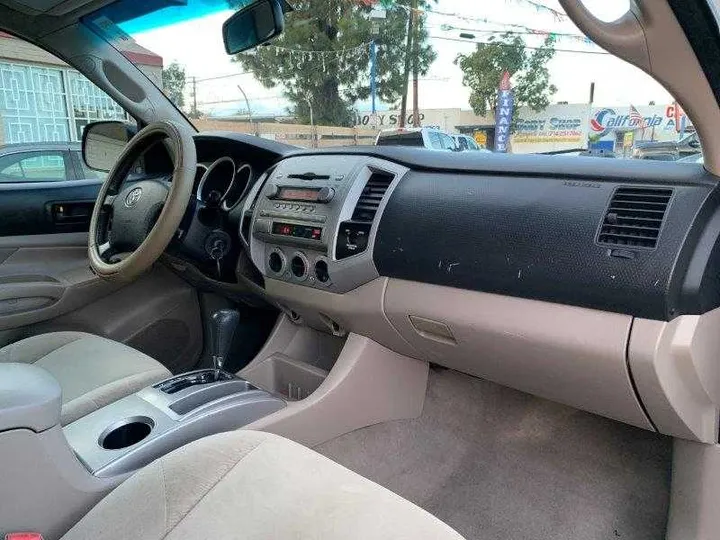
(222, 329)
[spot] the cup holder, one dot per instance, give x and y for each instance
(126, 432)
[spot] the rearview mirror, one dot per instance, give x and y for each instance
(103, 142)
(253, 25)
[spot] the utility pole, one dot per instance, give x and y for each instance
(406, 72)
(247, 104)
(313, 138)
(194, 91)
(373, 76)
(377, 16)
(416, 61)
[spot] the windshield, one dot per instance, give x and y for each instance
(515, 76)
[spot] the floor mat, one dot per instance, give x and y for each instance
(497, 464)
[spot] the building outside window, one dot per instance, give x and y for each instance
(42, 99)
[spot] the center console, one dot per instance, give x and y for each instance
(132, 432)
(313, 220)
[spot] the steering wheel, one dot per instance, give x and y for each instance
(132, 225)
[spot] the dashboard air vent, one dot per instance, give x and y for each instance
(371, 197)
(634, 217)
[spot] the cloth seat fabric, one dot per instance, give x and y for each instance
(251, 485)
(92, 371)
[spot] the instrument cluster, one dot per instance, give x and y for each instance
(222, 183)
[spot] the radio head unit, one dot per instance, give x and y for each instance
(319, 194)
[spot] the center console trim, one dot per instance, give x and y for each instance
(347, 179)
(239, 403)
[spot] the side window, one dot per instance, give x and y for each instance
(435, 141)
(86, 173)
(39, 166)
(472, 145)
(45, 102)
(463, 143)
(447, 142)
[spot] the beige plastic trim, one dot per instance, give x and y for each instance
(369, 384)
(567, 354)
(35, 267)
(360, 310)
(695, 492)
(649, 37)
(298, 342)
(44, 487)
(677, 373)
(79, 239)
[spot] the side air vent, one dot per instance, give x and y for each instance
(354, 235)
(634, 217)
(371, 197)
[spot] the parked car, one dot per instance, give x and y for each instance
(694, 158)
(423, 137)
(467, 143)
(598, 153)
(43, 162)
(667, 150)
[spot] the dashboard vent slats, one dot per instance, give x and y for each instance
(371, 197)
(634, 217)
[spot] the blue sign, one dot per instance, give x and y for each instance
(503, 119)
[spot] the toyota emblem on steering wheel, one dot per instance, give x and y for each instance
(133, 197)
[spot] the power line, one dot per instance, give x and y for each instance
(238, 100)
(227, 76)
(462, 40)
(526, 32)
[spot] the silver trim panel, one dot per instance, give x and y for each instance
(229, 405)
(348, 176)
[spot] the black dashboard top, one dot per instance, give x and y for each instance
(557, 166)
(528, 225)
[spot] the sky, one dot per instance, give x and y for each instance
(197, 45)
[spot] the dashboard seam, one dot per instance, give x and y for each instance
(631, 378)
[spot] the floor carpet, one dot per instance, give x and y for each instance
(497, 464)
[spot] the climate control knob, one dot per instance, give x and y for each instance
(276, 262)
(322, 273)
(299, 266)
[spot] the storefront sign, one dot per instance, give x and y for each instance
(658, 119)
(553, 129)
(503, 114)
(385, 120)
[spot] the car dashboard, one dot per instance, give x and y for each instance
(569, 278)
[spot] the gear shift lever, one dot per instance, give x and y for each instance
(222, 329)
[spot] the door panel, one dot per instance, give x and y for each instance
(45, 276)
(46, 285)
(47, 207)
(158, 314)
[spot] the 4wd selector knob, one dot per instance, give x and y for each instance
(276, 261)
(322, 273)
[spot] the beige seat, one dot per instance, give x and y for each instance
(92, 371)
(251, 485)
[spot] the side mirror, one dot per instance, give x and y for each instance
(103, 142)
(253, 25)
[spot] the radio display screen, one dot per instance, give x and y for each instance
(298, 194)
(297, 231)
